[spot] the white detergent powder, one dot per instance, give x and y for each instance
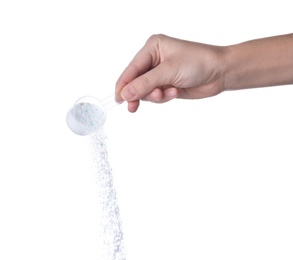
(88, 119)
(111, 227)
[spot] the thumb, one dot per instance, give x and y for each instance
(146, 83)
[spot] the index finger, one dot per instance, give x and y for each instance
(142, 62)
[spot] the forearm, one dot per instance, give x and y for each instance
(259, 63)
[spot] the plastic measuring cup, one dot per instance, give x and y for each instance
(88, 114)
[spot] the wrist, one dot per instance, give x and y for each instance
(258, 63)
(231, 76)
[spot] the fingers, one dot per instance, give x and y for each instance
(146, 77)
(143, 85)
(156, 96)
(162, 95)
(133, 106)
(130, 73)
(143, 61)
(150, 86)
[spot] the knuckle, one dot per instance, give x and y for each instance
(155, 39)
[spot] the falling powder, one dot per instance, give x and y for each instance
(111, 227)
(87, 117)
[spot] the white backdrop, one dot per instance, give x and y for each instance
(204, 179)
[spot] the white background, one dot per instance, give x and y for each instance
(204, 179)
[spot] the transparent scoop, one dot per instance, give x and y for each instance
(88, 114)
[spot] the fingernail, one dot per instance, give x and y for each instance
(128, 94)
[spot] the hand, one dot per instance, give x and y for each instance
(167, 68)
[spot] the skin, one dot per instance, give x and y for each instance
(167, 68)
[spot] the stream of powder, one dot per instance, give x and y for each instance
(111, 227)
